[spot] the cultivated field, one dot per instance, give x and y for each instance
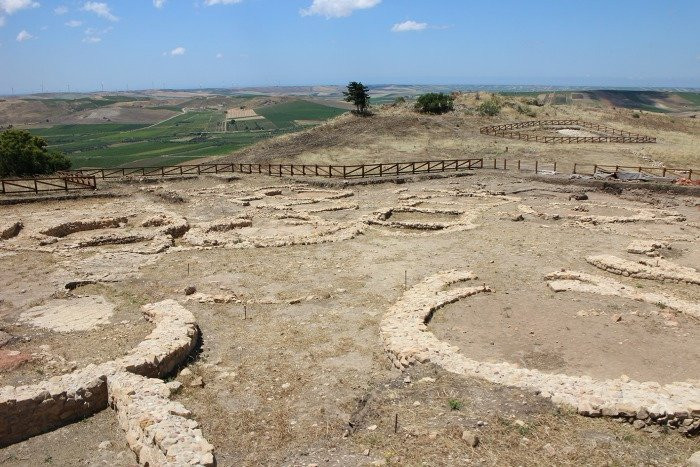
(153, 129)
(448, 321)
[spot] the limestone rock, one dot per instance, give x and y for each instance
(470, 438)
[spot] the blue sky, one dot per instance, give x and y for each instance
(191, 43)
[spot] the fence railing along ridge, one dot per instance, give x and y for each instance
(613, 135)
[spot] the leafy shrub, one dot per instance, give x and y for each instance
(490, 108)
(435, 103)
(398, 101)
(23, 154)
(635, 115)
(455, 404)
(526, 110)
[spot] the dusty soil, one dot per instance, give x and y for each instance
(305, 378)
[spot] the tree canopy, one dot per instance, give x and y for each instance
(358, 94)
(22, 154)
(435, 103)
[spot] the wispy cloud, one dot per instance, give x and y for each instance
(61, 10)
(93, 35)
(221, 2)
(2, 21)
(178, 51)
(24, 36)
(337, 8)
(11, 6)
(158, 3)
(74, 23)
(100, 9)
(409, 25)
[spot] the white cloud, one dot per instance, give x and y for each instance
(158, 3)
(92, 39)
(74, 23)
(219, 55)
(408, 26)
(100, 9)
(61, 10)
(337, 8)
(11, 6)
(178, 51)
(221, 2)
(2, 21)
(24, 36)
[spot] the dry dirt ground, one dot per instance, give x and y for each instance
(304, 379)
(398, 133)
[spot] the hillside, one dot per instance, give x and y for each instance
(400, 133)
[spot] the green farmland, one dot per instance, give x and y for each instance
(190, 135)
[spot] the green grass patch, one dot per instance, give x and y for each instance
(284, 115)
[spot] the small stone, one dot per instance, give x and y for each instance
(190, 290)
(104, 445)
(616, 318)
(642, 414)
(285, 385)
(407, 379)
(694, 460)
(197, 382)
(416, 404)
(295, 301)
(366, 453)
(174, 386)
(549, 450)
(185, 372)
(481, 423)
(426, 379)
(470, 438)
(371, 427)
(519, 423)
(639, 424)
(518, 218)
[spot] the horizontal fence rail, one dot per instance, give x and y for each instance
(280, 170)
(86, 179)
(590, 169)
(63, 181)
(612, 135)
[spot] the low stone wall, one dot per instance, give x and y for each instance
(26, 411)
(581, 282)
(407, 340)
(657, 270)
(158, 430)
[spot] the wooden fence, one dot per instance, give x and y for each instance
(62, 181)
(279, 170)
(589, 169)
(613, 135)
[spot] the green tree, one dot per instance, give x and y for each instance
(23, 154)
(358, 94)
(435, 103)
